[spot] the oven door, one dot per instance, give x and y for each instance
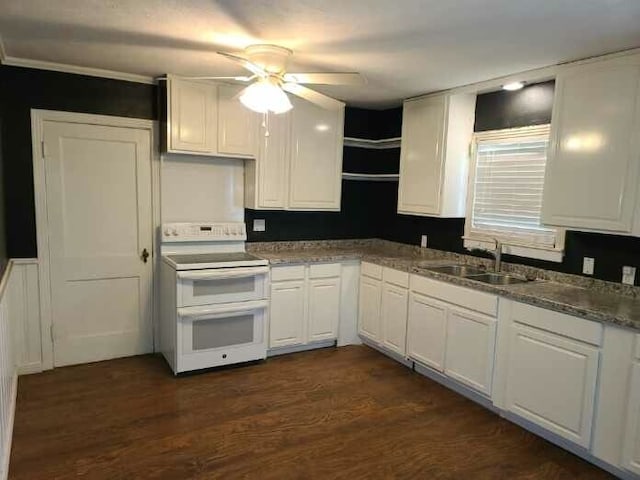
(222, 285)
(221, 335)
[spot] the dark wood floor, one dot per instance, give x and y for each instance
(345, 413)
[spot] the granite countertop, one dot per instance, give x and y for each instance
(600, 301)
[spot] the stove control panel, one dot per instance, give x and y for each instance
(204, 232)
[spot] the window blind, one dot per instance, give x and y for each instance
(508, 186)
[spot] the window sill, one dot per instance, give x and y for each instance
(517, 250)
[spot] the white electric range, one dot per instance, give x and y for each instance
(214, 303)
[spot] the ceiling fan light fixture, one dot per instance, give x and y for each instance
(265, 96)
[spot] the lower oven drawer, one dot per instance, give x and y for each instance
(221, 285)
(221, 334)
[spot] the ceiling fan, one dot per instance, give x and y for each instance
(268, 66)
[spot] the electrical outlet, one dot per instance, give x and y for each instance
(259, 225)
(587, 265)
(629, 275)
(423, 241)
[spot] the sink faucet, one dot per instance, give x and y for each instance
(497, 255)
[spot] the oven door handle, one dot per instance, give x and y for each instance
(222, 273)
(220, 311)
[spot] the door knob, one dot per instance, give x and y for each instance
(145, 255)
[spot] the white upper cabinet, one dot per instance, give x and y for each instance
(299, 163)
(237, 125)
(316, 157)
(192, 117)
(434, 157)
(267, 179)
(593, 167)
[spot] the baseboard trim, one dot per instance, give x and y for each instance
(30, 368)
(567, 445)
(393, 355)
(6, 453)
(274, 352)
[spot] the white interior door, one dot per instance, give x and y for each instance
(98, 182)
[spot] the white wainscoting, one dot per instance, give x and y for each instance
(8, 371)
(24, 312)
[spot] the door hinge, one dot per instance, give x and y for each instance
(51, 332)
(43, 149)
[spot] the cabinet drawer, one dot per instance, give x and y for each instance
(401, 279)
(293, 272)
(560, 323)
(324, 270)
(465, 297)
(371, 270)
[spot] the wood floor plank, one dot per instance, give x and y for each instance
(346, 413)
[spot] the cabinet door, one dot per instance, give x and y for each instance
(369, 311)
(427, 330)
(237, 125)
(192, 117)
(631, 454)
(592, 171)
(316, 157)
(470, 348)
(551, 381)
(272, 162)
(287, 314)
(394, 317)
(422, 156)
(324, 308)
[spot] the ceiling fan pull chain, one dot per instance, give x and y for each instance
(265, 123)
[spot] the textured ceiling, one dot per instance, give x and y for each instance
(403, 47)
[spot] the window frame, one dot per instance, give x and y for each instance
(513, 246)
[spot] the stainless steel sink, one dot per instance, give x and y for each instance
(456, 270)
(497, 279)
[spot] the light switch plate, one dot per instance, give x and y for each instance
(587, 265)
(259, 225)
(629, 275)
(423, 241)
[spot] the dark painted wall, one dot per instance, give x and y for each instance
(363, 203)
(3, 233)
(531, 105)
(22, 89)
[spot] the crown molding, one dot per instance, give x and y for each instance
(76, 69)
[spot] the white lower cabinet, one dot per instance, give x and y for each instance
(455, 339)
(427, 330)
(394, 317)
(287, 313)
(548, 369)
(324, 308)
(631, 449)
(369, 311)
(470, 349)
(383, 309)
(305, 304)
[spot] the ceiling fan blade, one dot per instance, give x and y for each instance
(345, 78)
(252, 67)
(237, 79)
(313, 96)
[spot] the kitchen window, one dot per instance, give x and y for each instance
(505, 194)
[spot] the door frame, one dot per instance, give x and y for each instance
(38, 117)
